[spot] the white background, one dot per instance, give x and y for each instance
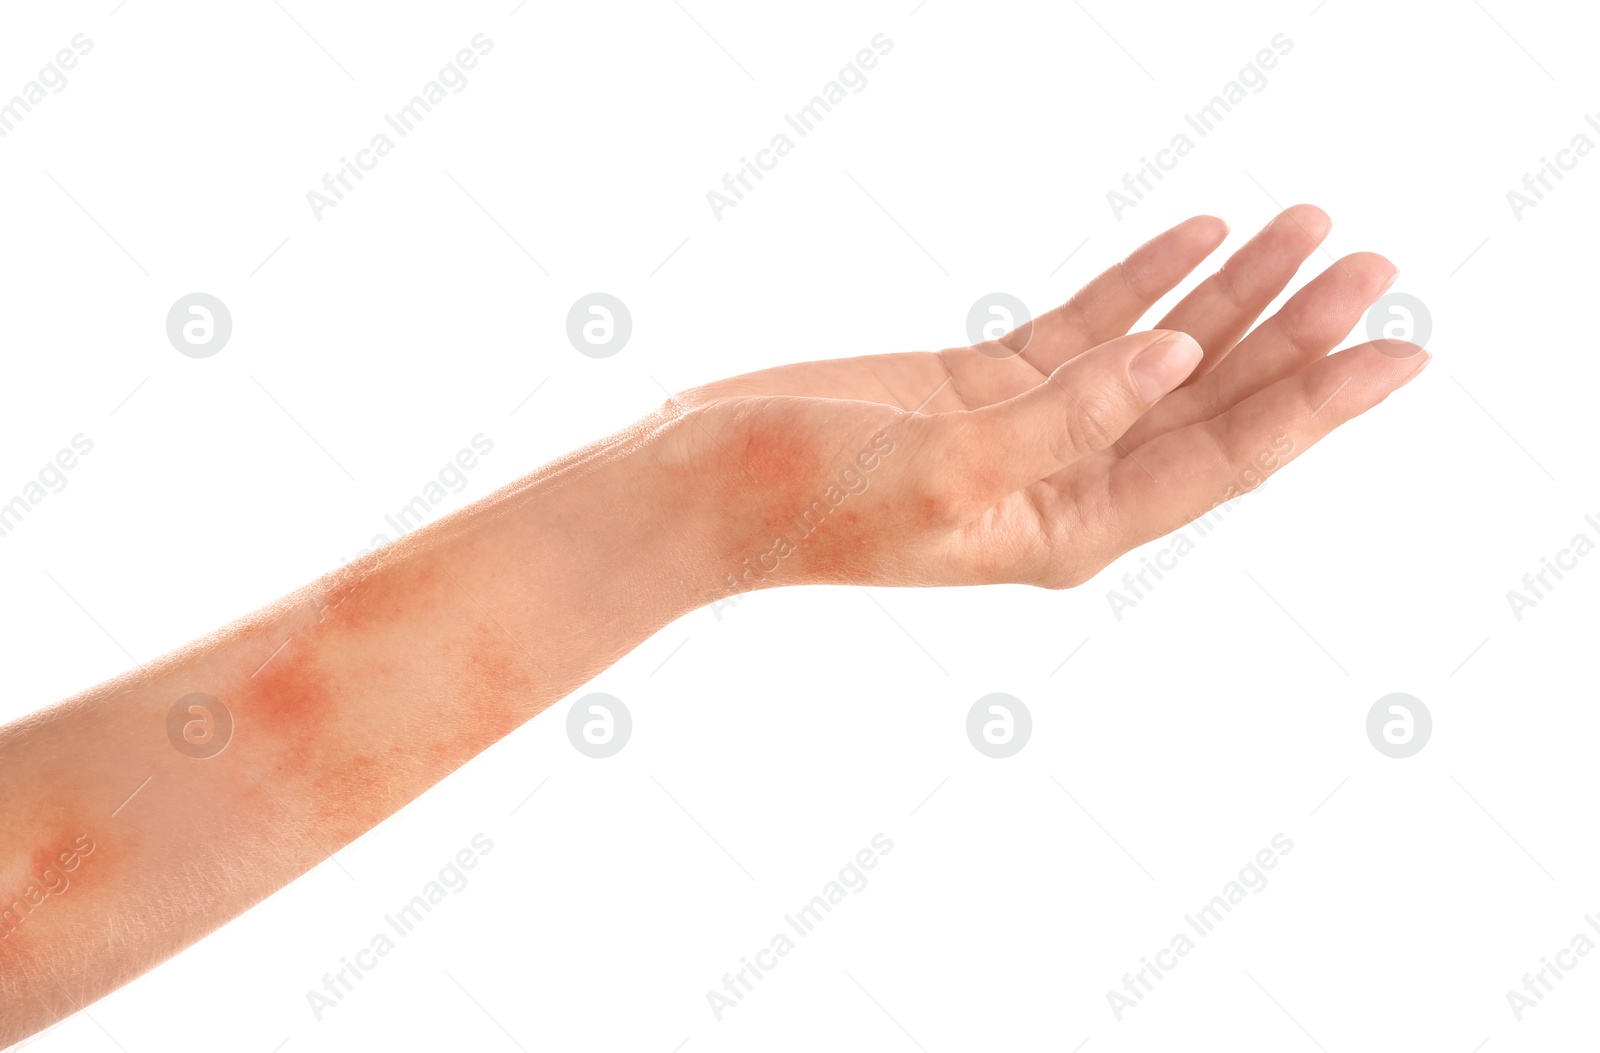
(772, 743)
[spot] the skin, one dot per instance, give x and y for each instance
(1037, 458)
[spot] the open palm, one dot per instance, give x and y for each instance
(1035, 457)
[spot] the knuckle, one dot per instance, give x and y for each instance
(1132, 278)
(1227, 286)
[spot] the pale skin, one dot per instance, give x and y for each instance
(1038, 459)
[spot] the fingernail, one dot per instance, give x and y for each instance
(1390, 282)
(1424, 358)
(1163, 365)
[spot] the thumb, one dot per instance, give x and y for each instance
(1084, 406)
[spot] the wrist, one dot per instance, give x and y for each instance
(587, 557)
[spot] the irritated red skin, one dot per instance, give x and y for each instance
(777, 460)
(288, 699)
(44, 859)
(355, 697)
(776, 466)
(330, 735)
(293, 698)
(87, 879)
(297, 711)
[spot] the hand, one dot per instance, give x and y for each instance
(1043, 456)
(1037, 458)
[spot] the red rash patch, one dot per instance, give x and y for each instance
(437, 726)
(295, 696)
(43, 859)
(798, 490)
(365, 595)
(288, 696)
(778, 460)
(397, 679)
(766, 481)
(53, 870)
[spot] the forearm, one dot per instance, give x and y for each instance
(347, 700)
(1036, 458)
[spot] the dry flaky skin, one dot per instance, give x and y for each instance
(1038, 459)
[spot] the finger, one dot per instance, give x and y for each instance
(1110, 304)
(1080, 409)
(1310, 324)
(1222, 308)
(1188, 473)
